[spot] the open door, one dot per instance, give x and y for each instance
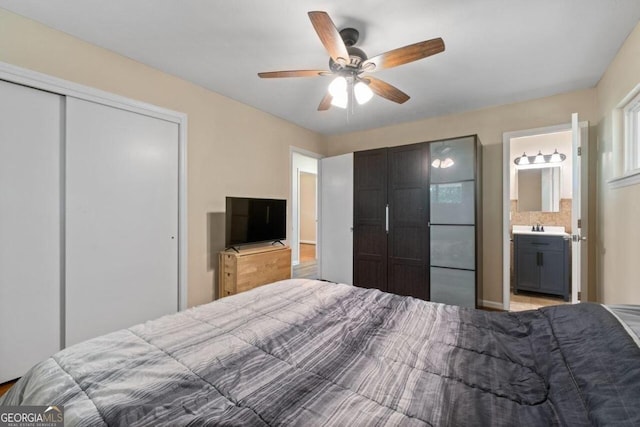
(579, 210)
(336, 219)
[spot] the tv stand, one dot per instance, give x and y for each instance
(246, 269)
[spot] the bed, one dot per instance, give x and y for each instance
(305, 352)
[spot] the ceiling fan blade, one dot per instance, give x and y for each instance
(385, 90)
(403, 55)
(293, 73)
(330, 37)
(325, 104)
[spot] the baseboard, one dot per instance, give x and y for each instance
(492, 304)
(308, 242)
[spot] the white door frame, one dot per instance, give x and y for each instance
(506, 197)
(48, 83)
(294, 175)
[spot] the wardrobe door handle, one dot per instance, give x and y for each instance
(386, 218)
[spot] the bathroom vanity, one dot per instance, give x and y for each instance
(542, 261)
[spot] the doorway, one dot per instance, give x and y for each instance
(561, 201)
(304, 214)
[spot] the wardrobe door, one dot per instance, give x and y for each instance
(370, 220)
(122, 219)
(408, 242)
(453, 218)
(30, 224)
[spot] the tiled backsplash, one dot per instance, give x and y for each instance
(562, 218)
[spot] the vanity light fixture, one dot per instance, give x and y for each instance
(539, 158)
(524, 160)
(556, 157)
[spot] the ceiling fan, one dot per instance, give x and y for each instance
(349, 64)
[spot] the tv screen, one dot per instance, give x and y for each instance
(251, 220)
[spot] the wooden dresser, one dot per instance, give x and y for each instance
(251, 268)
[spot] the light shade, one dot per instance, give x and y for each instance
(436, 163)
(340, 101)
(338, 87)
(539, 158)
(555, 157)
(362, 92)
(447, 163)
(524, 160)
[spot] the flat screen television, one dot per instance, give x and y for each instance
(250, 220)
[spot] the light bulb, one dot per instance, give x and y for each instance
(340, 101)
(338, 87)
(555, 157)
(362, 92)
(447, 163)
(539, 158)
(436, 163)
(524, 160)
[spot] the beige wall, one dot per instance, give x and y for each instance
(618, 224)
(221, 132)
(489, 124)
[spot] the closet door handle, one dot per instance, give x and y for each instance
(386, 218)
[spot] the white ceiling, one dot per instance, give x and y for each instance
(497, 51)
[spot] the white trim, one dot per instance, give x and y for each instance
(631, 111)
(294, 149)
(626, 180)
(506, 198)
(307, 153)
(42, 81)
(48, 83)
(491, 304)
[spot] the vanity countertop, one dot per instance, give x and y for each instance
(549, 230)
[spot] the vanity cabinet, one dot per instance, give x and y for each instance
(542, 264)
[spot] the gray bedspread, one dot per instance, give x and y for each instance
(314, 353)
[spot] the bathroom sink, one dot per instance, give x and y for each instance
(549, 230)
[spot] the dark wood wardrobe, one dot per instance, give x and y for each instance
(417, 210)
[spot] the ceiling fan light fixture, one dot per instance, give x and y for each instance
(338, 87)
(362, 92)
(340, 101)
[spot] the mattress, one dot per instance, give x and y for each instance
(304, 352)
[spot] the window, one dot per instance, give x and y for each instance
(631, 113)
(627, 125)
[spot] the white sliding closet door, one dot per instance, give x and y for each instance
(30, 181)
(122, 219)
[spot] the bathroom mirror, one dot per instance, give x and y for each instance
(539, 189)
